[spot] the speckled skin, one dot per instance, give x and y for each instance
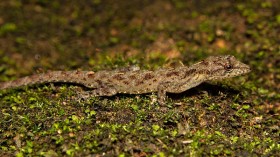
(132, 80)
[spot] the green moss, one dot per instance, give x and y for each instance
(7, 28)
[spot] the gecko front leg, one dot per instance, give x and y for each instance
(104, 90)
(161, 92)
(174, 87)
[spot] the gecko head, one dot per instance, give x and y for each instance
(221, 67)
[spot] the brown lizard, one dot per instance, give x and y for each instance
(135, 81)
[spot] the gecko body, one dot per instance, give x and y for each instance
(136, 81)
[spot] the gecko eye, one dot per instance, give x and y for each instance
(228, 67)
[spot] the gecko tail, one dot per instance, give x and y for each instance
(49, 77)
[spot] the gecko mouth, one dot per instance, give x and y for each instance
(241, 71)
(246, 69)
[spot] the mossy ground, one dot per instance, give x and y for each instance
(235, 117)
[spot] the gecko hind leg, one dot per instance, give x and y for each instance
(105, 91)
(162, 88)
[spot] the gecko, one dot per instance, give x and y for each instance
(133, 80)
